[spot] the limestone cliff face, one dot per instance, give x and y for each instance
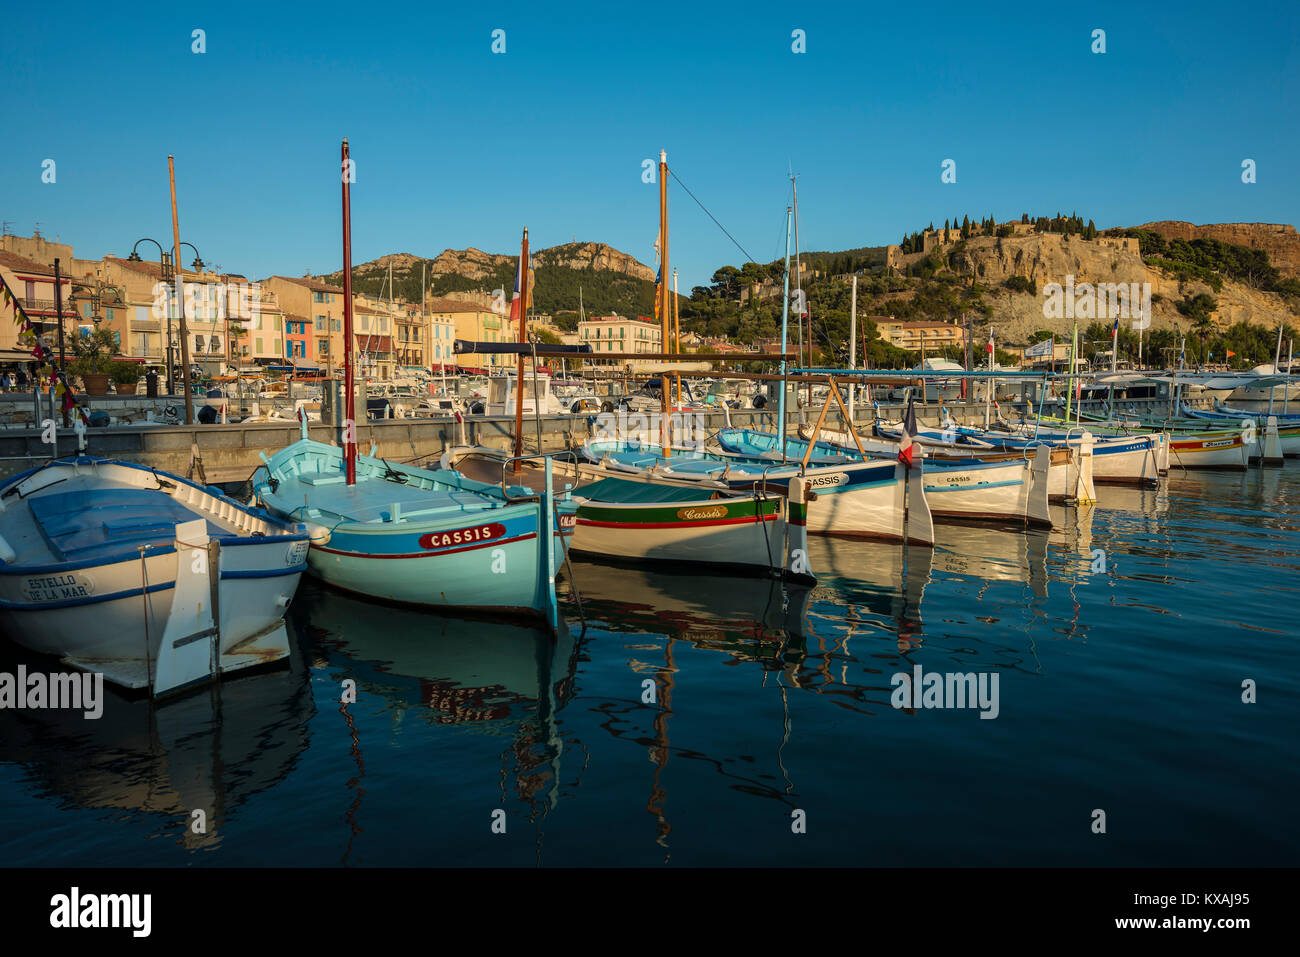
(1281, 242)
(1051, 258)
(594, 256)
(476, 264)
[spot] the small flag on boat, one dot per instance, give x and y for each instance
(517, 308)
(990, 342)
(905, 452)
(1114, 331)
(1231, 353)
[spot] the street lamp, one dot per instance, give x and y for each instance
(165, 267)
(197, 266)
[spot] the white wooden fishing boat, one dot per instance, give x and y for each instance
(1069, 473)
(141, 575)
(1134, 459)
(850, 497)
(636, 518)
(997, 488)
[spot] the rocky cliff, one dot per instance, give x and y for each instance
(1047, 258)
(475, 264)
(1281, 242)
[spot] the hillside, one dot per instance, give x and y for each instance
(1226, 295)
(609, 280)
(1281, 242)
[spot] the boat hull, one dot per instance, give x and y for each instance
(107, 614)
(756, 536)
(991, 492)
(418, 537)
(496, 574)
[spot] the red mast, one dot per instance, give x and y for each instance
(349, 403)
(523, 337)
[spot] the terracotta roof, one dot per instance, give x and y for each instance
(923, 324)
(155, 269)
(23, 264)
(315, 285)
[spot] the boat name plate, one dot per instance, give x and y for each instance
(699, 514)
(463, 536)
(59, 587)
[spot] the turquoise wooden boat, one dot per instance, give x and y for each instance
(417, 536)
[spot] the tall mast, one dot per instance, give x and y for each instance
(180, 298)
(665, 433)
(519, 374)
(785, 328)
(798, 272)
(349, 401)
(677, 333)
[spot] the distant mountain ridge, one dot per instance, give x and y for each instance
(599, 276)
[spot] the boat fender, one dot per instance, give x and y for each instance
(318, 534)
(7, 554)
(283, 601)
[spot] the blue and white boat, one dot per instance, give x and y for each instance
(117, 568)
(993, 486)
(849, 497)
(414, 536)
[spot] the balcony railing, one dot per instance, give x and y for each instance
(45, 305)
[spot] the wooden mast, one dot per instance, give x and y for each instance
(349, 400)
(677, 333)
(665, 315)
(180, 297)
(523, 337)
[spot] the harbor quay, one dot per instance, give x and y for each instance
(231, 452)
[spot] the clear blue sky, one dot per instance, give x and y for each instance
(456, 146)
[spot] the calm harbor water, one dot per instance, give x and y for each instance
(1119, 689)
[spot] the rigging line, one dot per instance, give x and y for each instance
(748, 257)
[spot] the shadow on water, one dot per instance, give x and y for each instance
(211, 750)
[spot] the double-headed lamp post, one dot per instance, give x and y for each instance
(168, 274)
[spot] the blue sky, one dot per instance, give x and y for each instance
(456, 146)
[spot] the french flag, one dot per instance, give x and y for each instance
(516, 304)
(906, 452)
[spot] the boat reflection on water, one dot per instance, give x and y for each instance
(502, 678)
(989, 555)
(1140, 501)
(760, 621)
(749, 617)
(872, 589)
(208, 751)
